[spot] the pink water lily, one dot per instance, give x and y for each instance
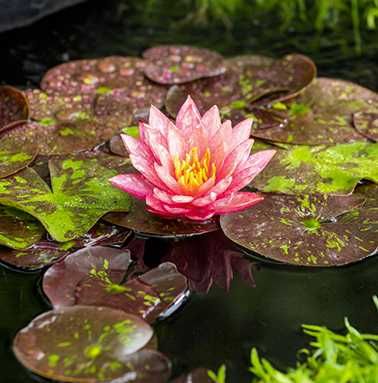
(193, 169)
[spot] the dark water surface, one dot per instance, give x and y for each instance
(216, 327)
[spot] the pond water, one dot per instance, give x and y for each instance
(219, 326)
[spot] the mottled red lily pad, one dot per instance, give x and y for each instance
(18, 230)
(245, 86)
(67, 124)
(85, 344)
(216, 263)
(199, 375)
(316, 169)
(95, 276)
(367, 124)
(144, 223)
(46, 252)
(13, 106)
(322, 114)
(306, 230)
(15, 155)
(177, 64)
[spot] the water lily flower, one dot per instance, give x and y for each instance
(195, 168)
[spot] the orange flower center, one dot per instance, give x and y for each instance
(192, 171)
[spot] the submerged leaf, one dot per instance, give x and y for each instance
(306, 230)
(13, 106)
(18, 230)
(141, 221)
(367, 124)
(87, 344)
(176, 64)
(96, 276)
(305, 169)
(81, 194)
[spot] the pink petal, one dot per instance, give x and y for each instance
(252, 167)
(168, 181)
(206, 200)
(200, 215)
(162, 196)
(159, 121)
(176, 210)
(182, 198)
(188, 117)
(147, 169)
(236, 202)
(241, 132)
(137, 147)
(156, 206)
(211, 121)
(133, 184)
(176, 143)
(213, 193)
(236, 157)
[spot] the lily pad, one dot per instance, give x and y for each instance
(95, 276)
(305, 169)
(244, 87)
(84, 344)
(177, 64)
(67, 124)
(17, 229)
(367, 124)
(80, 195)
(322, 114)
(146, 224)
(306, 230)
(13, 106)
(15, 154)
(46, 252)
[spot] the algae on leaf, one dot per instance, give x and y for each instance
(18, 230)
(80, 195)
(334, 170)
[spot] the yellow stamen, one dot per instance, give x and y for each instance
(193, 171)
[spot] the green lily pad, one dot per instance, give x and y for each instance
(305, 169)
(367, 124)
(84, 344)
(13, 106)
(15, 154)
(322, 114)
(67, 124)
(306, 230)
(18, 230)
(81, 194)
(146, 224)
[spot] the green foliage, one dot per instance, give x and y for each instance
(333, 358)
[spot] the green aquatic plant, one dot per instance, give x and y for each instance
(333, 358)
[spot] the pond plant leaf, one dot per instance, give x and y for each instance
(306, 230)
(176, 64)
(306, 169)
(147, 224)
(95, 276)
(322, 114)
(216, 263)
(15, 155)
(67, 124)
(13, 105)
(238, 91)
(46, 252)
(367, 124)
(79, 197)
(88, 344)
(18, 230)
